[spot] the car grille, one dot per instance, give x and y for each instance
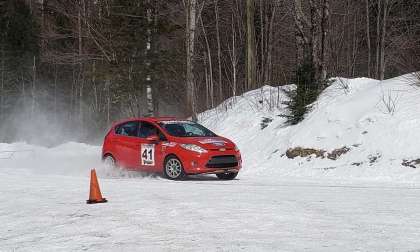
(222, 162)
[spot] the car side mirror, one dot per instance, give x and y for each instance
(153, 138)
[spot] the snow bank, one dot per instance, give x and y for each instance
(378, 120)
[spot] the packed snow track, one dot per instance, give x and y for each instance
(43, 209)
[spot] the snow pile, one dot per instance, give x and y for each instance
(377, 121)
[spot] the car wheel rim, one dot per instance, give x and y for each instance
(173, 168)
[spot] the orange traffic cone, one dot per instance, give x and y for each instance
(95, 195)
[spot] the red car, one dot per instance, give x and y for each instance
(173, 147)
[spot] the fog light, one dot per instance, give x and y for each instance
(193, 164)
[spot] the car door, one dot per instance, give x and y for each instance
(151, 156)
(127, 144)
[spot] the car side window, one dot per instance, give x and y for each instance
(148, 129)
(128, 129)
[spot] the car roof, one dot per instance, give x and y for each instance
(149, 119)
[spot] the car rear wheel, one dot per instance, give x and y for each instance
(227, 176)
(110, 162)
(173, 168)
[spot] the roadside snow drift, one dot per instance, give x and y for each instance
(377, 122)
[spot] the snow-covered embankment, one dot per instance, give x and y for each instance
(377, 123)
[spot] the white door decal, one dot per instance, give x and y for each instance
(147, 154)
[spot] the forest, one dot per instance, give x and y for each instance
(68, 69)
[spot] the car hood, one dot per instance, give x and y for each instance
(209, 143)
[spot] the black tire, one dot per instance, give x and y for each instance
(173, 168)
(227, 176)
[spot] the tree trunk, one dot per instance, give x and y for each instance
(22, 79)
(155, 96)
(108, 101)
(378, 34)
(2, 86)
(262, 47)
(354, 47)
(269, 65)
(368, 38)
(149, 91)
(33, 88)
(250, 52)
(72, 91)
(234, 60)
(314, 41)
(211, 83)
(300, 37)
(81, 78)
(95, 88)
(55, 92)
(219, 51)
(190, 41)
(206, 77)
(383, 34)
(325, 30)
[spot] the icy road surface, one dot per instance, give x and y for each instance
(42, 212)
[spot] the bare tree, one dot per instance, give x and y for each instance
(302, 41)
(250, 51)
(324, 30)
(149, 93)
(368, 38)
(210, 88)
(219, 51)
(191, 12)
(33, 89)
(378, 35)
(234, 60)
(386, 8)
(81, 77)
(2, 84)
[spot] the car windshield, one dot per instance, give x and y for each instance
(185, 129)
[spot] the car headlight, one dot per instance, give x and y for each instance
(236, 148)
(193, 147)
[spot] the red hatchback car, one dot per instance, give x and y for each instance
(173, 147)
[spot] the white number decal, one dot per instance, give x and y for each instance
(147, 153)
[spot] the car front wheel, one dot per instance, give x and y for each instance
(227, 176)
(173, 168)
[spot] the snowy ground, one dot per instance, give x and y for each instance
(48, 213)
(276, 204)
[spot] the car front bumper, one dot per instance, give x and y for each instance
(212, 162)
